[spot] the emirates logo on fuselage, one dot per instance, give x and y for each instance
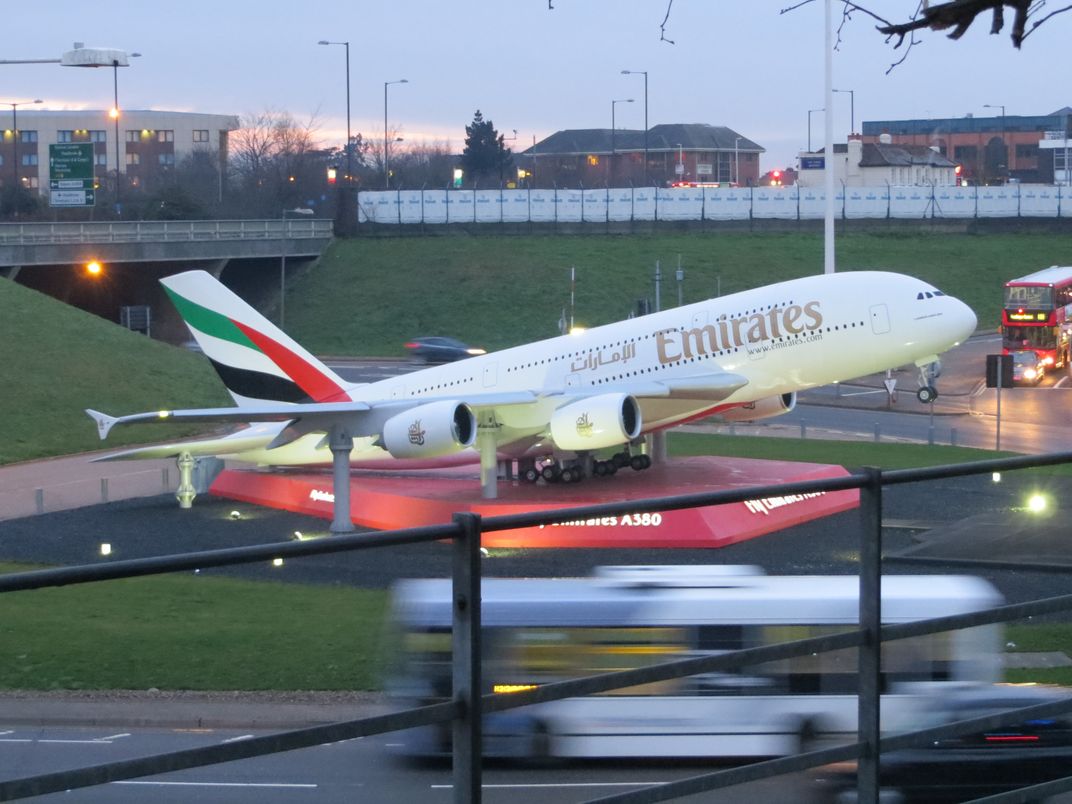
(416, 434)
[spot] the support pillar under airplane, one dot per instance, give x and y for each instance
(341, 444)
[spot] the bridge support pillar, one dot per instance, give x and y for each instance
(11, 272)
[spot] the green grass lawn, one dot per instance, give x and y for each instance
(193, 632)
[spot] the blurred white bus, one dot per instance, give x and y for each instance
(537, 631)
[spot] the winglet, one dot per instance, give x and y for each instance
(103, 420)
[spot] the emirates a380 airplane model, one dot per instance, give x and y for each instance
(563, 407)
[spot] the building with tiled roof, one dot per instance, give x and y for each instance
(860, 164)
(598, 157)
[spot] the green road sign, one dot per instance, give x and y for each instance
(70, 174)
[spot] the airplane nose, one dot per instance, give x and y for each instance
(962, 319)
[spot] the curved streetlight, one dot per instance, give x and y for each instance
(809, 126)
(386, 171)
(15, 144)
(852, 107)
(645, 74)
(349, 143)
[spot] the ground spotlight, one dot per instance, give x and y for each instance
(996, 477)
(106, 548)
(277, 562)
(235, 515)
(1037, 503)
(484, 552)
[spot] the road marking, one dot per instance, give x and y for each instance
(115, 736)
(238, 739)
(76, 742)
(554, 785)
(281, 785)
(16, 739)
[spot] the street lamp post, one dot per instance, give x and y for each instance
(283, 256)
(645, 74)
(852, 107)
(15, 149)
(349, 163)
(613, 127)
(810, 111)
(116, 64)
(386, 171)
(1003, 145)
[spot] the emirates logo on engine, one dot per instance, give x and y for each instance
(584, 426)
(416, 434)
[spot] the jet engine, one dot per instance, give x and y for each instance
(760, 409)
(428, 431)
(596, 422)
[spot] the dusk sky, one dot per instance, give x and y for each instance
(525, 66)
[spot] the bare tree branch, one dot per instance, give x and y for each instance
(662, 27)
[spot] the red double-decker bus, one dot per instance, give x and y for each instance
(1037, 314)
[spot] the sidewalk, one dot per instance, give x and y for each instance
(58, 484)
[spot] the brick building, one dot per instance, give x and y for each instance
(600, 157)
(991, 150)
(150, 143)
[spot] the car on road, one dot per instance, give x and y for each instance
(1027, 368)
(981, 764)
(438, 349)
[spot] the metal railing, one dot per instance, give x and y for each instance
(468, 704)
(22, 234)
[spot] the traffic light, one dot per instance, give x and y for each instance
(776, 178)
(331, 175)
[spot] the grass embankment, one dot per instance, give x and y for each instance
(204, 632)
(59, 360)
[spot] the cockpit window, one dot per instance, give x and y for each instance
(928, 294)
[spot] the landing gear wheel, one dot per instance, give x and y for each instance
(639, 462)
(599, 468)
(551, 473)
(572, 474)
(621, 460)
(530, 475)
(928, 393)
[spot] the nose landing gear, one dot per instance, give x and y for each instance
(928, 373)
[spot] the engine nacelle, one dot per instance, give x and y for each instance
(760, 409)
(428, 431)
(596, 422)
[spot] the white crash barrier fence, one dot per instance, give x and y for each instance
(619, 204)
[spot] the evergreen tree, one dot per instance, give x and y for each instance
(486, 156)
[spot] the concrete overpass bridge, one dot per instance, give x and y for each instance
(254, 257)
(24, 245)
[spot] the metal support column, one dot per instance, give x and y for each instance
(341, 443)
(466, 730)
(186, 492)
(870, 622)
(489, 460)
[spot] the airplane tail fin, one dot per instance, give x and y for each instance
(256, 360)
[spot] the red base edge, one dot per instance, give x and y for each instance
(390, 500)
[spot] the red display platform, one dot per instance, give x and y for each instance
(388, 500)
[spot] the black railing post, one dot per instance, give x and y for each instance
(466, 729)
(870, 690)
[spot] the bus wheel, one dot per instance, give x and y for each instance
(540, 747)
(807, 737)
